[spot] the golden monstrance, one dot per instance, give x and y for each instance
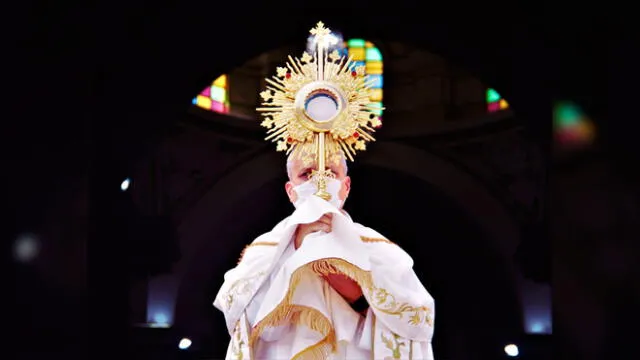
(318, 108)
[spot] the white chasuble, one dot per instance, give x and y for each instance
(277, 306)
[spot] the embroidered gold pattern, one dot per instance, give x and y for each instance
(386, 302)
(288, 313)
(392, 344)
(259, 243)
(237, 343)
(378, 298)
(241, 287)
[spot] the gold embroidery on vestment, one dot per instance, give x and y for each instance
(241, 287)
(259, 243)
(393, 344)
(378, 298)
(237, 343)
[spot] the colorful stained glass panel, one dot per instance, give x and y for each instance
(215, 97)
(572, 127)
(365, 53)
(495, 102)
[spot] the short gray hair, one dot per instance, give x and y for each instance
(290, 159)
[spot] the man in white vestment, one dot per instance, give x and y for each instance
(324, 287)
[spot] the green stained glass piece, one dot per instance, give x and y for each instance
(373, 54)
(567, 115)
(356, 43)
(492, 96)
(378, 105)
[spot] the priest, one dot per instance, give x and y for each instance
(322, 286)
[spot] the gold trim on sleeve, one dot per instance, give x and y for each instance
(376, 240)
(258, 243)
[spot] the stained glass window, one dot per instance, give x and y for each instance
(495, 102)
(571, 126)
(366, 54)
(215, 97)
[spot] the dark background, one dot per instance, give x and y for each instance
(96, 86)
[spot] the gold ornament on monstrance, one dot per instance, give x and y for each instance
(318, 108)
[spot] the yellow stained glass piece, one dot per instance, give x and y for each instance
(503, 104)
(586, 130)
(373, 67)
(203, 102)
(358, 54)
(376, 95)
(221, 81)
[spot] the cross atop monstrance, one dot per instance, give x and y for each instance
(322, 35)
(318, 108)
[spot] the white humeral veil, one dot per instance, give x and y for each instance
(276, 305)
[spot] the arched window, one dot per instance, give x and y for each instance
(366, 54)
(495, 102)
(215, 97)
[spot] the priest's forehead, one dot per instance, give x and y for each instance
(297, 166)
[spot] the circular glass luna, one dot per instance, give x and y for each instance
(318, 105)
(321, 106)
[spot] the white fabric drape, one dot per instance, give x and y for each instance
(277, 307)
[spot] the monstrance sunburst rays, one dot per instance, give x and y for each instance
(287, 93)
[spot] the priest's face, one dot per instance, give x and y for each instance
(299, 174)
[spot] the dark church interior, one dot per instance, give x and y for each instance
(503, 167)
